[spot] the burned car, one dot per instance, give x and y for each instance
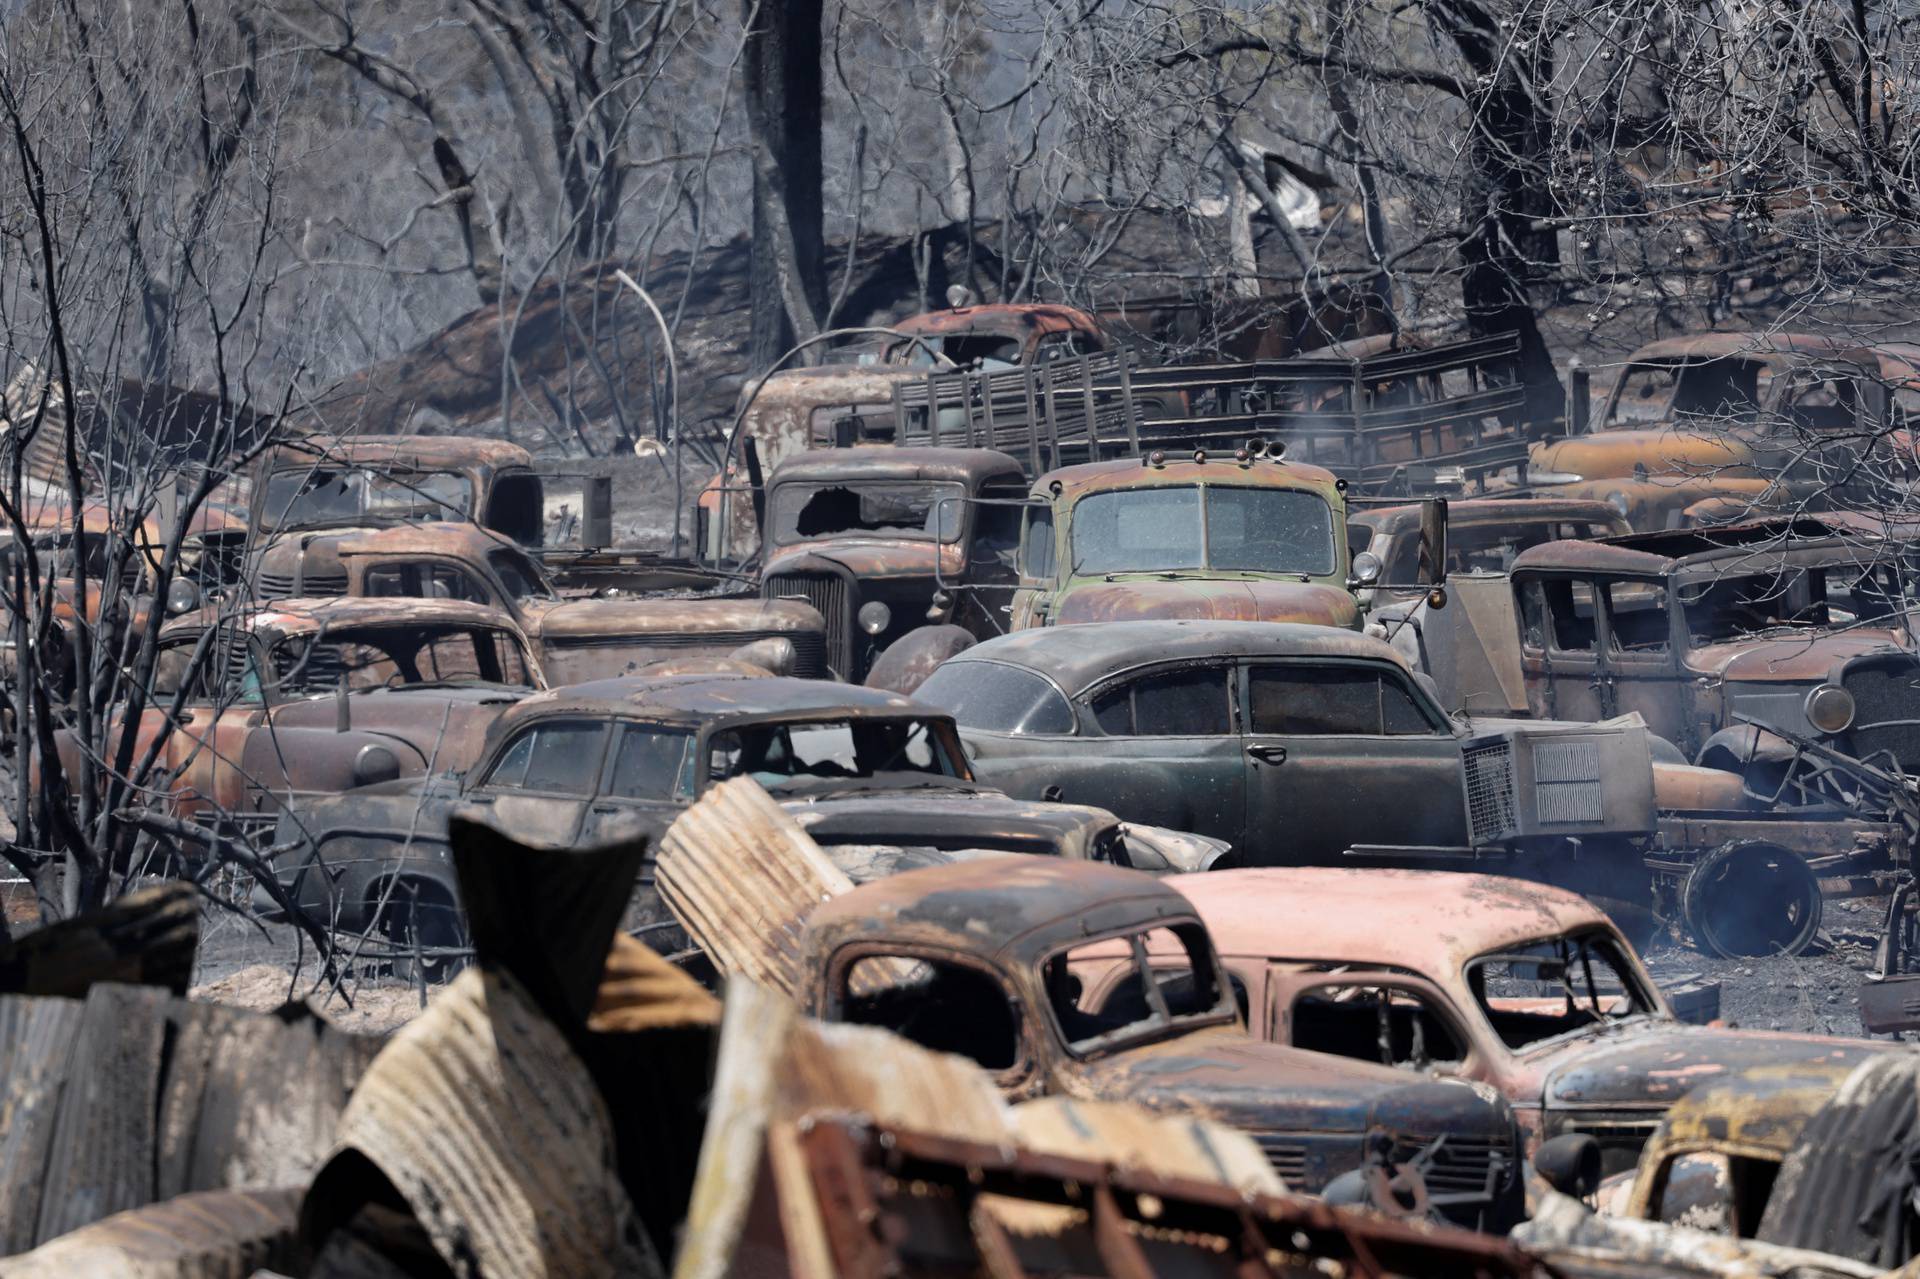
(983, 959)
(867, 535)
(380, 480)
(1247, 537)
(1483, 536)
(576, 638)
(995, 334)
(313, 697)
(858, 768)
(1769, 420)
(1522, 987)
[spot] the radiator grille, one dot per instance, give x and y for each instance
(1566, 782)
(1288, 1158)
(1489, 772)
(1886, 716)
(1461, 1165)
(828, 595)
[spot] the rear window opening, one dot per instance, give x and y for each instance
(1556, 986)
(940, 1005)
(1171, 982)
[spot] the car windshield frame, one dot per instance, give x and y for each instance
(943, 496)
(1204, 548)
(363, 480)
(1224, 1012)
(1646, 999)
(277, 677)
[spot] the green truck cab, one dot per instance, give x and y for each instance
(1242, 536)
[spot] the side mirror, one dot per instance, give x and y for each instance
(1433, 541)
(1570, 1164)
(596, 512)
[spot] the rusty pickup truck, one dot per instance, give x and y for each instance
(984, 959)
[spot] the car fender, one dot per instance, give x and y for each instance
(907, 662)
(1739, 747)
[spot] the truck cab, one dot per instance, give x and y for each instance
(870, 535)
(1241, 537)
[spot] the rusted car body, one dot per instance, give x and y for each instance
(990, 953)
(1245, 537)
(576, 639)
(1005, 333)
(314, 697)
(870, 535)
(369, 480)
(1525, 988)
(1483, 536)
(578, 766)
(1692, 425)
(1712, 1162)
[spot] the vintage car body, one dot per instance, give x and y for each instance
(576, 639)
(992, 947)
(1713, 1161)
(328, 481)
(270, 713)
(345, 854)
(1768, 419)
(870, 535)
(1483, 536)
(1312, 945)
(1006, 333)
(1275, 551)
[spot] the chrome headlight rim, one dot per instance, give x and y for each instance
(873, 617)
(1833, 702)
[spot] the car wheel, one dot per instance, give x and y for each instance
(1743, 900)
(421, 923)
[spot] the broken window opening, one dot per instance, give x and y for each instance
(899, 508)
(397, 656)
(1384, 1024)
(941, 1005)
(1556, 986)
(1172, 983)
(786, 757)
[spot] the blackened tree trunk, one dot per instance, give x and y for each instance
(1506, 191)
(782, 79)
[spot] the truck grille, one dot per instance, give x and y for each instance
(1489, 773)
(1885, 693)
(281, 586)
(1566, 781)
(1461, 1165)
(1288, 1158)
(828, 595)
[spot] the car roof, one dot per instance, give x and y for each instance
(1428, 921)
(886, 462)
(1666, 551)
(418, 452)
(1476, 511)
(704, 697)
(1183, 469)
(301, 615)
(1764, 1106)
(1772, 348)
(1076, 657)
(1004, 318)
(1017, 908)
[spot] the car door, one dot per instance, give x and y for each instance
(1343, 754)
(1560, 647)
(542, 781)
(1639, 670)
(1165, 753)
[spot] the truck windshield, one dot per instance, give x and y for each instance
(1732, 608)
(1242, 530)
(897, 508)
(309, 496)
(786, 757)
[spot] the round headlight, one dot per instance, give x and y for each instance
(1618, 501)
(1830, 708)
(873, 617)
(375, 764)
(1366, 568)
(182, 596)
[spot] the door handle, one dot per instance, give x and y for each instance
(1267, 754)
(481, 799)
(605, 808)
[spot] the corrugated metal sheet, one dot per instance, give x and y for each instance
(494, 1133)
(220, 1234)
(36, 1042)
(741, 876)
(102, 1158)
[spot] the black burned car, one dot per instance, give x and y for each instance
(584, 764)
(990, 959)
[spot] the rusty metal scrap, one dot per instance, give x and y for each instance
(148, 937)
(492, 1130)
(1563, 1232)
(218, 1234)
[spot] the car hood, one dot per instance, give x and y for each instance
(642, 620)
(1804, 656)
(1635, 453)
(1225, 1074)
(866, 558)
(952, 819)
(1213, 599)
(1650, 1067)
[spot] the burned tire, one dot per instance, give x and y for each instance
(421, 921)
(1745, 900)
